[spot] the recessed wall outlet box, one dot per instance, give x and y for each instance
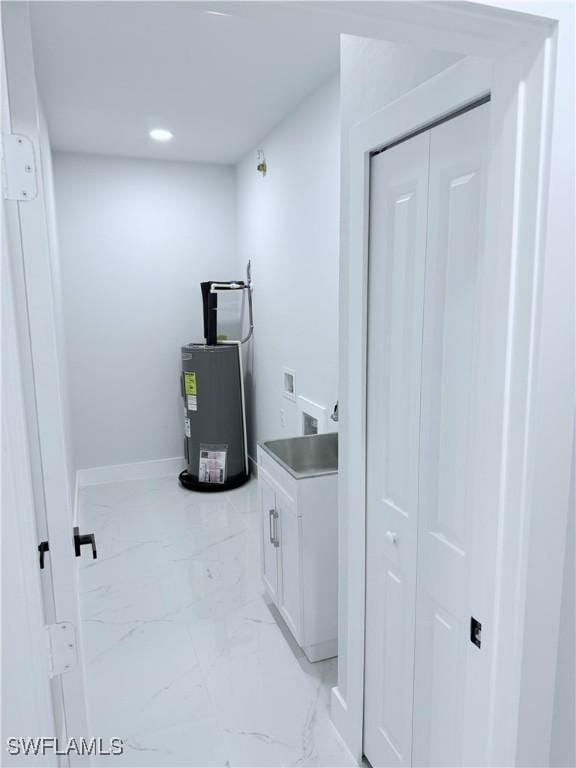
(289, 384)
(309, 424)
(312, 417)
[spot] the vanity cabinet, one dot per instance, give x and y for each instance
(299, 541)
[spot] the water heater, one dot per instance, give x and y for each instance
(212, 383)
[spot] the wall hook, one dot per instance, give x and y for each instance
(261, 167)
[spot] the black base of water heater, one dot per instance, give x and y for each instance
(189, 482)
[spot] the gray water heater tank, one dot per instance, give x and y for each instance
(215, 446)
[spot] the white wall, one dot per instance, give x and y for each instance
(136, 239)
(373, 73)
(288, 227)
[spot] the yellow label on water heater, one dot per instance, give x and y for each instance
(189, 383)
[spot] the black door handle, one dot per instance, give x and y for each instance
(85, 538)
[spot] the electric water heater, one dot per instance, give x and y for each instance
(212, 381)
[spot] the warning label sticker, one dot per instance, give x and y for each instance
(192, 401)
(189, 383)
(187, 427)
(212, 468)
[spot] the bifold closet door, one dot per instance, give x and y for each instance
(398, 215)
(425, 547)
(449, 674)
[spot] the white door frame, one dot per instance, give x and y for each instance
(522, 93)
(30, 246)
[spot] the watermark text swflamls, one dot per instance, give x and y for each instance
(51, 745)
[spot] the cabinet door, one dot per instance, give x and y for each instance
(399, 203)
(290, 537)
(268, 524)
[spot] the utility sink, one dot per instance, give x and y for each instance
(307, 456)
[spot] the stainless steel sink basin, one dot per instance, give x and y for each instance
(306, 456)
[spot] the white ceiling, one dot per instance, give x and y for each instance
(108, 72)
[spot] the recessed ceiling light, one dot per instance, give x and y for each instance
(161, 134)
(216, 13)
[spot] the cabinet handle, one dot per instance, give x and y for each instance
(392, 537)
(270, 526)
(276, 541)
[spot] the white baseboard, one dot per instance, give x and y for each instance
(139, 470)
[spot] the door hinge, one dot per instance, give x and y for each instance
(19, 181)
(62, 648)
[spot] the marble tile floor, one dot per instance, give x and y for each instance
(185, 659)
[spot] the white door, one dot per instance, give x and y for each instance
(424, 558)
(27, 693)
(451, 380)
(398, 212)
(32, 266)
(268, 525)
(289, 532)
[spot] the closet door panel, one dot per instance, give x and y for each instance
(399, 191)
(450, 380)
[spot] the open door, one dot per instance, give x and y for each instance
(30, 246)
(27, 691)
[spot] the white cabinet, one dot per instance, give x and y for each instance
(299, 541)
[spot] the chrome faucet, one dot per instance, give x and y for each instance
(334, 414)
